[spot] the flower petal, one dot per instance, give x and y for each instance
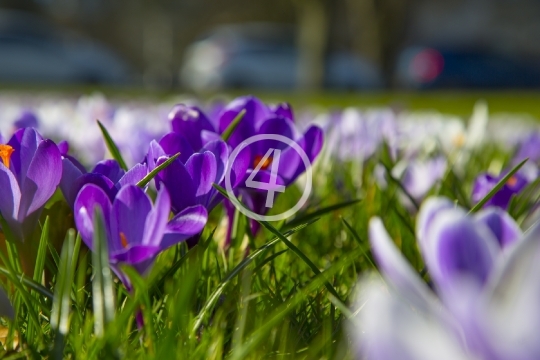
(25, 143)
(128, 218)
(186, 224)
(202, 169)
(133, 176)
(10, 196)
(173, 143)
(395, 268)
(387, 327)
(88, 198)
(505, 229)
(179, 184)
(190, 121)
(221, 153)
(157, 219)
(43, 176)
(110, 168)
(457, 250)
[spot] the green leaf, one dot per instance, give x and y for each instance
(102, 284)
(154, 172)
(62, 297)
(400, 185)
(278, 315)
(232, 126)
(497, 187)
(42, 252)
(111, 145)
(208, 306)
(319, 212)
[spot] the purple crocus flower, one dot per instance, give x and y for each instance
(258, 119)
(190, 177)
(486, 290)
(107, 174)
(137, 230)
(485, 182)
(30, 171)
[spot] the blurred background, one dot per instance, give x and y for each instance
(213, 45)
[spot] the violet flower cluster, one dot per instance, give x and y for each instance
(137, 228)
(482, 303)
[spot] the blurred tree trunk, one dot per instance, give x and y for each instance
(312, 37)
(364, 24)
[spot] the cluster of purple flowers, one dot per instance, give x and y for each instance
(137, 228)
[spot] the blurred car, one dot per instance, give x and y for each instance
(33, 50)
(265, 56)
(438, 68)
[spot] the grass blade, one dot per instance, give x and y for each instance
(62, 297)
(232, 126)
(289, 244)
(111, 145)
(154, 172)
(102, 285)
(319, 212)
(283, 310)
(208, 306)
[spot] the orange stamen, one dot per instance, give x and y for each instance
(512, 181)
(123, 240)
(265, 164)
(5, 154)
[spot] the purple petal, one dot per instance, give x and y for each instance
(202, 169)
(209, 136)
(25, 143)
(89, 197)
(395, 268)
(136, 254)
(187, 223)
(457, 249)
(43, 176)
(240, 166)
(97, 179)
(133, 176)
(430, 208)
(157, 219)
(173, 143)
(10, 195)
(275, 126)
(256, 113)
(179, 184)
(190, 121)
(128, 218)
(221, 153)
(505, 229)
(70, 173)
(110, 168)
(292, 165)
(284, 110)
(510, 303)
(155, 151)
(63, 147)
